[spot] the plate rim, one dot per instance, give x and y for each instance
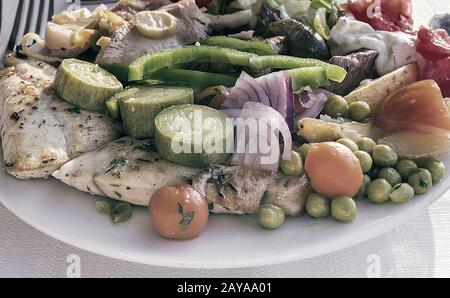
(347, 241)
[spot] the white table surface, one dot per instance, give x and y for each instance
(418, 248)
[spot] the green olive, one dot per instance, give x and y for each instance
(391, 175)
(402, 193)
(366, 144)
(436, 169)
(343, 208)
(421, 181)
(303, 150)
(363, 190)
(405, 167)
(359, 111)
(348, 143)
(271, 217)
(293, 167)
(336, 106)
(317, 206)
(384, 156)
(379, 190)
(365, 160)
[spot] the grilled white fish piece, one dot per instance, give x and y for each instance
(240, 190)
(127, 9)
(39, 131)
(127, 169)
(127, 44)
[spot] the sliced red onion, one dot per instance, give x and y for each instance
(269, 123)
(313, 101)
(274, 90)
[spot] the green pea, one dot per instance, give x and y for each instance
(391, 175)
(436, 169)
(121, 212)
(378, 191)
(405, 167)
(336, 106)
(343, 208)
(317, 206)
(402, 193)
(363, 190)
(366, 144)
(293, 167)
(359, 111)
(421, 181)
(365, 160)
(384, 156)
(348, 143)
(271, 216)
(304, 150)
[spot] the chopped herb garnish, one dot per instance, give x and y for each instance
(16, 116)
(74, 110)
(423, 183)
(103, 207)
(147, 146)
(180, 209)
(187, 218)
(210, 206)
(116, 165)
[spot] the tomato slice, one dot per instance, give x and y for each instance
(433, 45)
(438, 71)
(395, 15)
(434, 49)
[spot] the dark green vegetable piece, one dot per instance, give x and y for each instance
(303, 41)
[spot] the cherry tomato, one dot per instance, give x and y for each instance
(333, 170)
(178, 212)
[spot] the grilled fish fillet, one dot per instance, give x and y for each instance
(130, 170)
(39, 131)
(127, 9)
(241, 190)
(127, 169)
(127, 44)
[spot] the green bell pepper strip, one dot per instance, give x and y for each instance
(170, 58)
(258, 47)
(197, 80)
(334, 72)
(314, 77)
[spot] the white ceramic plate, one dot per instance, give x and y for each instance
(70, 216)
(228, 242)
